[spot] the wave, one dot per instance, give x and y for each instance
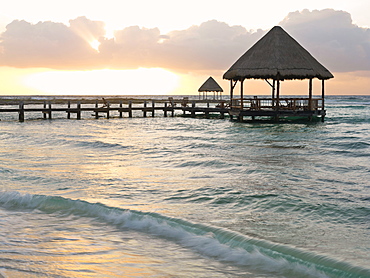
(100, 145)
(218, 243)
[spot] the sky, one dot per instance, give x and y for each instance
(148, 47)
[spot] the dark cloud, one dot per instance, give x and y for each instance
(329, 35)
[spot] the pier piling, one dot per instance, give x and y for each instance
(21, 111)
(108, 109)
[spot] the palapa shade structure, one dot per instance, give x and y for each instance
(210, 85)
(279, 57)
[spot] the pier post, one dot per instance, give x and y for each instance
(49, 112)
(43, 112)
(130, 109)
(120, 106)
(79, 110)
(21, 111)
(96, 111)
(165, 109)
(193, 109)
(153, 105)
(144, 110)
(108, 109)
(69, 113)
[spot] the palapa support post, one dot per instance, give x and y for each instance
(310, 94)
(21, 112)
(310, 99)
(232, 86)
(323, 100)
(277, 107)
(273, 93)
(241, 94)
(277, 94)
(231, 89)
(130, 109)
(79, 110)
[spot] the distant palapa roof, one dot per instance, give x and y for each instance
(210, 86)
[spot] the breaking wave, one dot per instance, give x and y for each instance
(217, 243)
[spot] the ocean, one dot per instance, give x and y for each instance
(187, 197)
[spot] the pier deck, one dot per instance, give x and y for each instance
(239, 108)
(117, 108)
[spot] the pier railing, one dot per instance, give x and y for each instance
(293, 104)
(114, 108)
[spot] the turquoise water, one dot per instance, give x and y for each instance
(183, 197)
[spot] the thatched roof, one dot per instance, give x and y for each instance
(277, 56)
(210, 86)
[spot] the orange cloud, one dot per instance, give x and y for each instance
(45, 44)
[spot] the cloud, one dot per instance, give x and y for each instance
(328, 34)
(211, 45)
(332, 38)
(49, 44)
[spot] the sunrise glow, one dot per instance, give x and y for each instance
(81, 48)
(95, 44)
(141, 81)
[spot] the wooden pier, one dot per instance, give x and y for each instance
(116, 108)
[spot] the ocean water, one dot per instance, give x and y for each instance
(184, 197)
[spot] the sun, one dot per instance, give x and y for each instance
(142, 81)
(95, 44)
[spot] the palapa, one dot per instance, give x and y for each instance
(277, 56)
(210, 85)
